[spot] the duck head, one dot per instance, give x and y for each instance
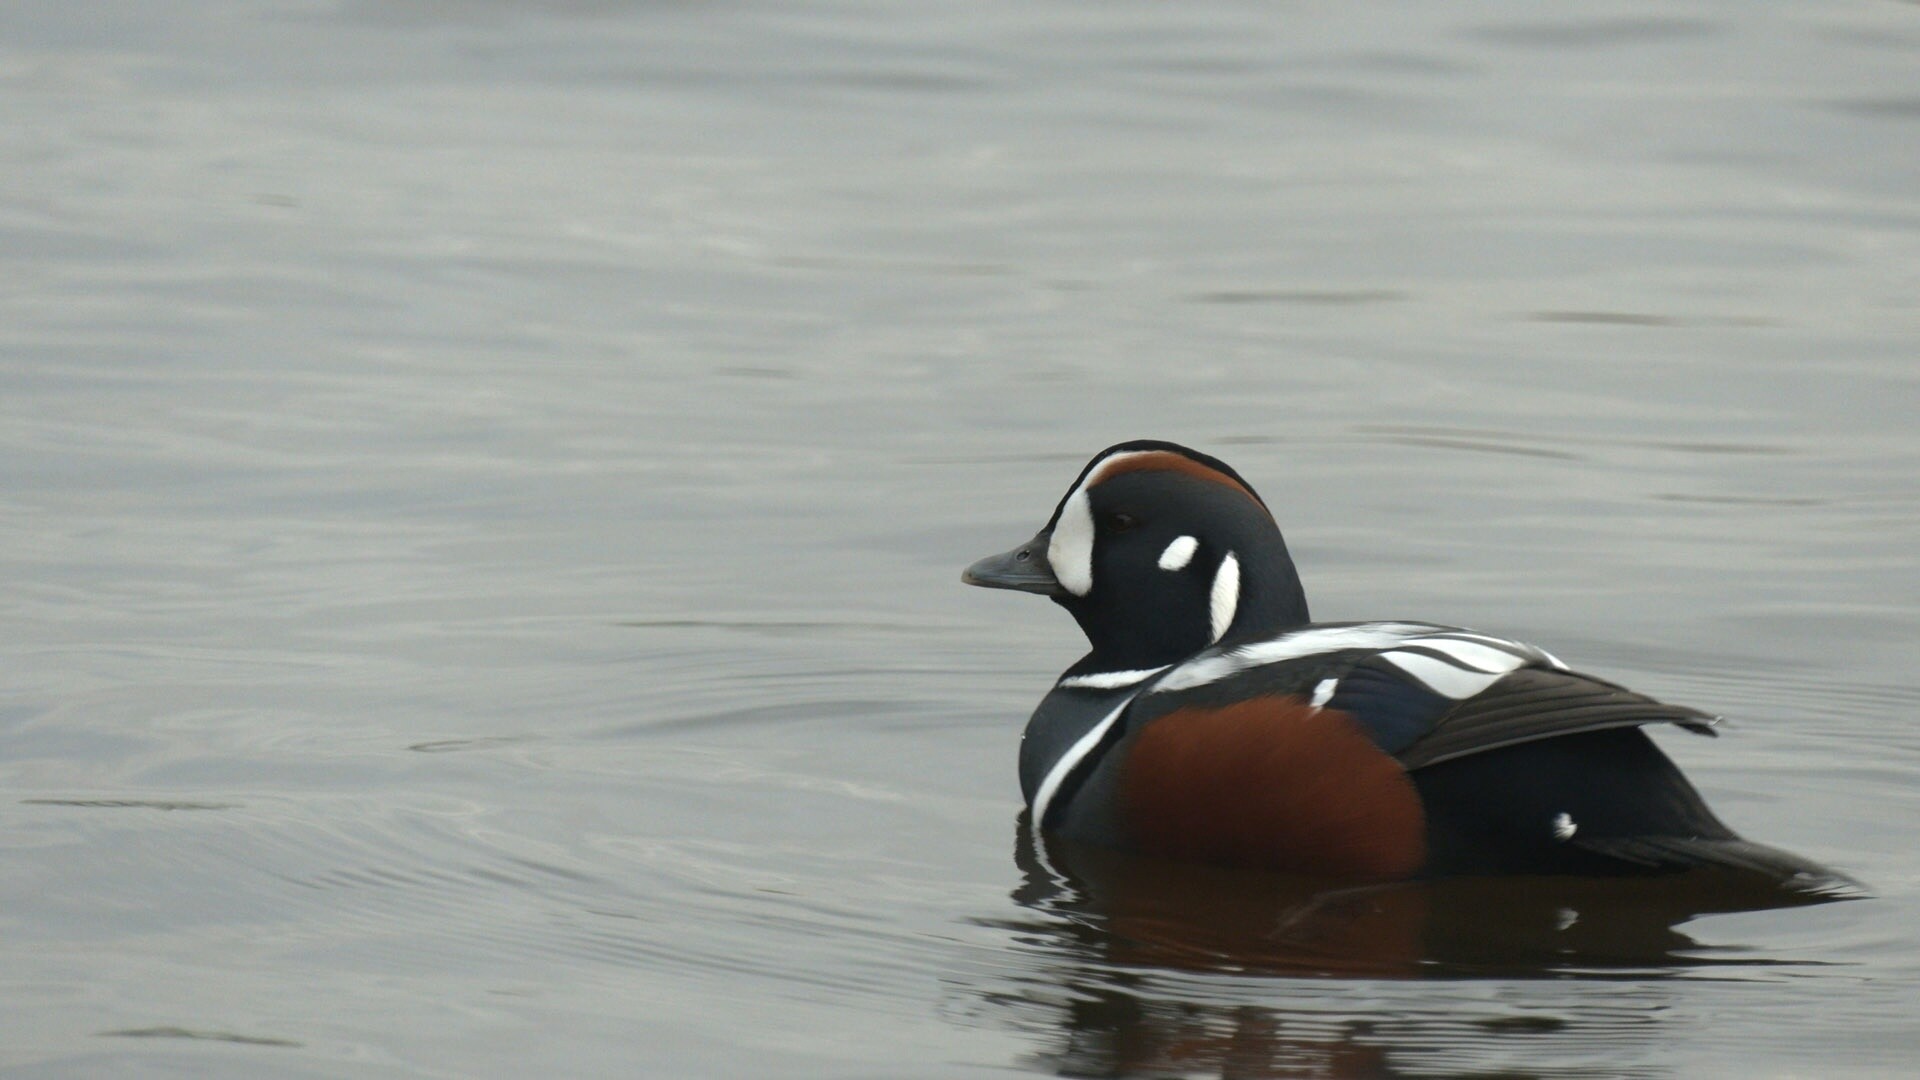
(1157, 551)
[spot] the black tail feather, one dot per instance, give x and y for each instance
(1764, 864)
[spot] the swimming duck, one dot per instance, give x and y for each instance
(1212, 720)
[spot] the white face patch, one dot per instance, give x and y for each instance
(1226, 595)
(1070, 551)
(1179, 553)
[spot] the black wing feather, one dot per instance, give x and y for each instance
(1541, 703)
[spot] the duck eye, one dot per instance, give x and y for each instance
(1121, 522)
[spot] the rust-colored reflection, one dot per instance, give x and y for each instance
(1106, 922)
(1152, 912)
(1141, 911)
(1118, 1034)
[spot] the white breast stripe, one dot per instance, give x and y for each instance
(1212, 666)
(1179, 553)
(1111, 680)
(1226, 596)
(1064, 767)
(1441, 677)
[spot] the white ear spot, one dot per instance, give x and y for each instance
(1070, 551)
(1564, 827)
(1226, 595)
(1179, 553)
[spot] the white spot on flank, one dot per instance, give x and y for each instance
(1179, 553)
(1564, 827)
(1323, 692)
(1070, 551)
(1565, 918)
(1111, 680)
(1226, 595)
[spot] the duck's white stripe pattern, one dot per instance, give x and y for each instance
(1225, 600)
(1466, 663)
(1454, 663)
(1064, 767)
(1470, 654)
(1110, 680)
(1532, 653)
(1212, 666)
(1443, 678)
(1070, 551)
(1323, 692)
(1179, 553)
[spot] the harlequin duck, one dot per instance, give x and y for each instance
(1214, 722)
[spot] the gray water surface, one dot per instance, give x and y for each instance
(483, 487)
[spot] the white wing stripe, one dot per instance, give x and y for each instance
(1441, 677)
(1471, 654)
(1520, 649)
(1456, 663)
(1211, 667)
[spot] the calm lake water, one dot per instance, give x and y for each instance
(483, 487)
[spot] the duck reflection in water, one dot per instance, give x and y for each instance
(1137, 910)
(1121, 935)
